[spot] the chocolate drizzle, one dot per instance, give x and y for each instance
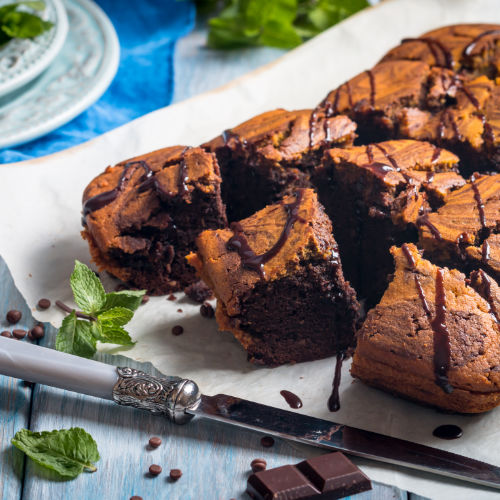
(433, 44)
(442, 349)
(489, 296)
(448, 431)
(420, 290)
(423, 220)
(292, 399)
(334, 399)
(480, 208)
(249, 258)
(369, 153)
(372, 87)
(436, 154)
(470, 48)
(378, 168)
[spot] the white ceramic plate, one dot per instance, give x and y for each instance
(22, 60)
(78, 76)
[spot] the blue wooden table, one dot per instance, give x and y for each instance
(215, 459)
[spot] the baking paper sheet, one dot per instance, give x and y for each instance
(40, 202)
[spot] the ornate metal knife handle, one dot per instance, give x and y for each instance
(156, 395)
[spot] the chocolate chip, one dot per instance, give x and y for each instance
(13, 316)
(258, 464)
(172, 297)
(267, 441)
(43, 303)
(136, 497)
(207, 311)
(175, 474)
(7, 334)
(154, 442)
(37, 332)
(19, 334)
(145, 298)
(177, 330)
(154, 469)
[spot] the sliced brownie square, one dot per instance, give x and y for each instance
(141, 216)
(278, 281)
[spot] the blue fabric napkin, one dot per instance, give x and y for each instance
(147, 30)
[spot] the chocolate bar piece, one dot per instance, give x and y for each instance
(327, 477)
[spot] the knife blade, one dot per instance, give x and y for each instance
(179, 400)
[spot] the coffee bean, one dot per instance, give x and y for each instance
(136, 497)
(7, 334)
(145, 298)
(258, 464)
(267, 441)
(175, 474)
(14, 316)
(207, 311)
(44, 303)
(37, 332)
(154, 442)
(154, 469)
(19, 334)
(177, 330)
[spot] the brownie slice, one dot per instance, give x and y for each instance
(433, 338)
(272, 154)
(278, 281)
(374, 195)
(141, 216)
(464, 232)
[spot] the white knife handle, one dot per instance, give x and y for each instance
(125, 386)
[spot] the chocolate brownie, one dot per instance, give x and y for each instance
(374, 195)
(278, 281)
(464, 232)
(434, 337)
(272, 154)
(141, 216)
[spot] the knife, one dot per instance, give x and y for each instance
(180, 400)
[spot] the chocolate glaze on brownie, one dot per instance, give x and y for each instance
(272, 154)
(291, 306)
(141, 216)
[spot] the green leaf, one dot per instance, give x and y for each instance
(68, 452)
(118, 316)
(76, 337)
(23, 25)
(112, 334)
(280, 35)
(131, 299)
(87, 289)
(35, 5)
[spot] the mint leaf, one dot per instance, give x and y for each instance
(87, 289)
(117, 316)
(33, 5)
(110, 333)
(76, 337)
(131, 299)
(24, 25)
(68, 452)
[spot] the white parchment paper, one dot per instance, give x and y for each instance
(40, 202)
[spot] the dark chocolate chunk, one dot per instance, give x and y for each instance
(175, 474)
(207, 311)
(199, 292)
(329, 476)
(267, 441)
(6, 333)
(43, 303)
(154, 442)
(177, 330)
(19, 334)
(13, 316)
(258, 464)
(155, 470)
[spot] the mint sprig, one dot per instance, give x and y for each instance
(15, 23)
(102, 316)
(68, 452)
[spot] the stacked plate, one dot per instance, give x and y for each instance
(47, 81)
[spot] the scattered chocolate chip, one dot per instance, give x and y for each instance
(177, 330)
(154, 442)
(37, 332)
(179, 310)
(258, 464)
(19, 334)
(175, 474)
(43, 303)
(199, 292)
(145, 298)
(172, 297)
(136, 497)
(207, 311)
(154, 469)
(7, 334)
(267, 441)
(13, 316)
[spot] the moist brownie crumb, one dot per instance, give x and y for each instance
(199, 292)
(207, 311)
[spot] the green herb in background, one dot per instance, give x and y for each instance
(15, 23)
(68, 452)
(277, 23)
(101, 318)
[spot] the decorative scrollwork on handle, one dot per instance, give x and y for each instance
(156, 395)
